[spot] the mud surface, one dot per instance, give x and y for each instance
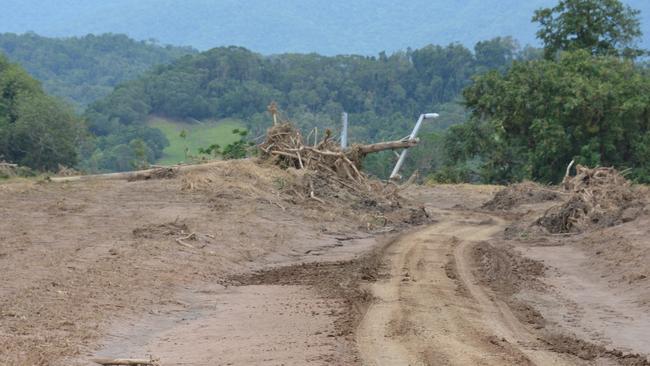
(227, 267)
(585, 294)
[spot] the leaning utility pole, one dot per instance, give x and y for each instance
(412, 136)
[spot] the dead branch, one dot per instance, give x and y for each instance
(182, 242)
(302, 166)
(597, 197)
(311, 193)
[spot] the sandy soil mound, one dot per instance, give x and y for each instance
(374, 205)
(520, 193)
(600, 197)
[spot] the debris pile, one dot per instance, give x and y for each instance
(285, 146)
(292, 172)
(599, 197)
(325, 170)
(520, 193)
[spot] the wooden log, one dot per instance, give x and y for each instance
(124, 361)
(365, 149)
(134, 175)
(389, 145)
(9, 165)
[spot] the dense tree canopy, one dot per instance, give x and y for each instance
(382, 94)
(590, 103)
(544, 114)
(84, 69)
(601, 27)
(35, 130)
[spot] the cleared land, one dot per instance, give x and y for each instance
(226, 266)
(201, 134)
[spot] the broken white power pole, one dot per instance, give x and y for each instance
(344, 131)
(412, 136)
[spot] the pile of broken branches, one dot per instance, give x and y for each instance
(285, 144)
(325, 161)
(598, 197)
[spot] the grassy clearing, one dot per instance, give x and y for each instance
(197, 136)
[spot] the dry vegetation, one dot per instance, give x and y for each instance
(521, 193)
(599, 197)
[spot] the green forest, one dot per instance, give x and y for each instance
(382, 94)
(36, 130)
(507, 113)
(83, 69)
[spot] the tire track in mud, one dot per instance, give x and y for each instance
(429, 312)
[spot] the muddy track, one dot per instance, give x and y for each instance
(431, 311)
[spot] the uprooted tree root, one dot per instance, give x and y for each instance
(284, 146)
(600, 197)
(325, 172)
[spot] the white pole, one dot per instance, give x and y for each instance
(413, 135)
(344, 131)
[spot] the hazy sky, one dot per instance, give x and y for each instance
(273, 26)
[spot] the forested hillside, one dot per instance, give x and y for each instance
(515, 113)
(84, 69)
(587, 100)
(383, 94)
(36, 130)
(364, 27)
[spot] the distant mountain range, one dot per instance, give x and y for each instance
(277, 26)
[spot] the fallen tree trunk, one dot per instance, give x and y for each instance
(285, 146)
(389, 145)
(285, 142)
(136, 175)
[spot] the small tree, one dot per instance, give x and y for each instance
(140, 154)
(235, 150)
(602, 27)
(186, 150)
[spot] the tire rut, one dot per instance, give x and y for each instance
(420, 317)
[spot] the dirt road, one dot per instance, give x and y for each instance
(96, 269)
(430, 311)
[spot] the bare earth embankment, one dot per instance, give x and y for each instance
(237, 265)
(128, 268)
